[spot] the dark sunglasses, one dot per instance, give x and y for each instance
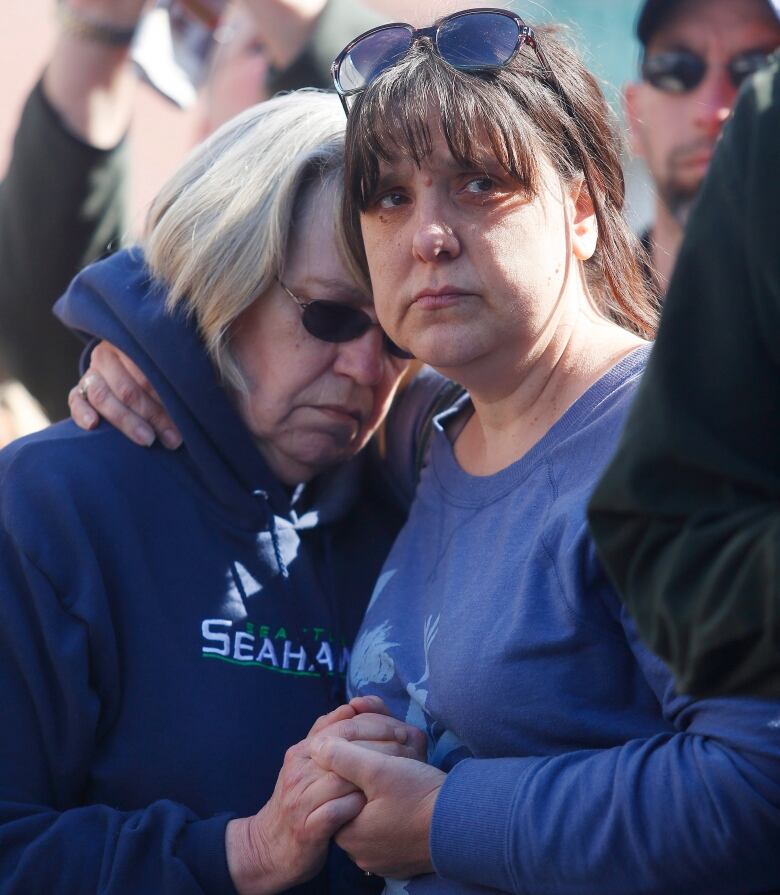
(332, 321)
(470, 40)
(680, 71)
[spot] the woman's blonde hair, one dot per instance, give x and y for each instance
(217, 233)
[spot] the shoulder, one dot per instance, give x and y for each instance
(60, 477)
(59, 449)
(588, 433)
(410, 423)
(574, 465)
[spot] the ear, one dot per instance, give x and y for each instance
(584, 226)
(632, 107)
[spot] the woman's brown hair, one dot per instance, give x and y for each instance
(520, 109)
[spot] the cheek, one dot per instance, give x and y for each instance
(385, 271)
(386, 243)
(376, 249)
(280, 373)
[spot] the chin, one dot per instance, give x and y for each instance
(324, 453)
(441, 350)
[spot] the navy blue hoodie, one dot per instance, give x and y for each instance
(170, 622)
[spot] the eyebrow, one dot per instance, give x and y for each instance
(387, 178)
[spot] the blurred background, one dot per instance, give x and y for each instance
(161, 133)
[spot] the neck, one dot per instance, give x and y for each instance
(666, 237)
(512, 417)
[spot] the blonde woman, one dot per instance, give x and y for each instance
(171, 623)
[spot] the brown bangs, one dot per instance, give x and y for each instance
(476, 113)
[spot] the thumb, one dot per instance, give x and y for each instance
(357, 764)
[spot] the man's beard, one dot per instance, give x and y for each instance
(676, 192)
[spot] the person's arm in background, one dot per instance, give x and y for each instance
(687, 516)
(62, 201)
(304, 36)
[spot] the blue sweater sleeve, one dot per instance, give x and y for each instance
(50, 717)
(694, 810)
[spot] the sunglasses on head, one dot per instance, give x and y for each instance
(333, 321)
(680, 71)
(470, 40)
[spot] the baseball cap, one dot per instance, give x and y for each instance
(653, 11)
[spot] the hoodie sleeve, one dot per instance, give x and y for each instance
(693, 810)
(51, 717)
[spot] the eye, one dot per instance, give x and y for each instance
(479, 185)
(390, 200)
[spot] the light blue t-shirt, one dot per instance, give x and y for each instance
(573, 767)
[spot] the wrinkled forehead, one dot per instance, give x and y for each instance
(725, 27)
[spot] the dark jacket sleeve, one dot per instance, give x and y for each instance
(340, 21)
(62, 205)
(687, 517)
(53, 712)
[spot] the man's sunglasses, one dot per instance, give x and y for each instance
(470, 40)
(332, 321)
(680, 71)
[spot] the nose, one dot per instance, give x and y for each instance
(434, 239)
(362, 359)
(714, 101)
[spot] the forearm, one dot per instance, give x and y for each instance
(302, 51)
(89, 83)
(286, 26)
(62, 204)
(163, 847)
(679, 813)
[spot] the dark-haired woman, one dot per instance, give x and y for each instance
(487, 208)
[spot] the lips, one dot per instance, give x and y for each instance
(440, 297)
(344, 414)
(699, 160)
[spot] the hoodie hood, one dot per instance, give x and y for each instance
(118, 300)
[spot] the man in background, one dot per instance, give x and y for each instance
(695, 55)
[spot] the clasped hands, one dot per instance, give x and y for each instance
(359, 777)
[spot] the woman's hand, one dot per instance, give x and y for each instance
(120, 393)
(390, 835)
(286, 842)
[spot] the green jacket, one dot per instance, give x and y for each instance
(63, 205)
(687, 517)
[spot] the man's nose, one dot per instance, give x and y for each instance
(362, 359)
(714, 100)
